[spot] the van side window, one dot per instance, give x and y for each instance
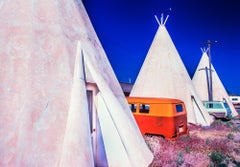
(144, 108)
(133, 107)
(218, 105)
(214, 105)
(179, 108)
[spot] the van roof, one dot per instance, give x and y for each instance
(215, 101)
(153, 100)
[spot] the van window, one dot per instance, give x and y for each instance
(214, 105)
(144, 108)
(179, 108)
(133, 107)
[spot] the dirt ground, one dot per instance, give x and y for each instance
(217, 145)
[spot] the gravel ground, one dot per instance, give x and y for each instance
(217, 145)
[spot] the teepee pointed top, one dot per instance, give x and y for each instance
(204, 50)
(162, 20)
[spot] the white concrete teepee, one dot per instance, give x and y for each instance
(200, 83)
(163, 74)
(49, 114)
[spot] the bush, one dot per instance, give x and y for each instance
(180, 159)
(230, 136)
(217, 157)
(220, 145)
(236, 129)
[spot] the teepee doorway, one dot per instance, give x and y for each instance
(100, 158)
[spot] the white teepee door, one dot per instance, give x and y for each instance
(100, 158)
(90, 108)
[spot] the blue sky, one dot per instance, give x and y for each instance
(126, 29)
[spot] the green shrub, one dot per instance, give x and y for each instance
(187, 149)
(216, 157)
(236, 129)
(180, 159)
(230, 136)
(207, 141)
(229, 124)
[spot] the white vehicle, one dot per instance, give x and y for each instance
(219, 109)
(236, 101)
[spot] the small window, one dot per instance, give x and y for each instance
(179, 108)
(144, 108)
(234, 99)
(133, 107)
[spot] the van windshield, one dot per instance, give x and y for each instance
(229, 112)
(179, 108)
(226, 105)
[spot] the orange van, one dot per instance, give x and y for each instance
(159, 116)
